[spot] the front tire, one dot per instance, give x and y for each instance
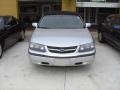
(1, 50)
(22, 35)
(100, 37)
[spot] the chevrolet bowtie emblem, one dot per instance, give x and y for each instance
(62, 50)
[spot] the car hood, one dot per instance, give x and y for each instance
(61, 37)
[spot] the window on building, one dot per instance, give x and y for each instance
(56, 7)
(28, 9)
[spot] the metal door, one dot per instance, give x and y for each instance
(91, 15)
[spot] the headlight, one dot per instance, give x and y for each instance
(37, 47)
(86, 47)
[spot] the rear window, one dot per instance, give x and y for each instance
(61, 21)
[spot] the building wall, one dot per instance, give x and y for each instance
(69, 5)
(9, 7)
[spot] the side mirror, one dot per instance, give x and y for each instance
(87, 25)
(34, 25)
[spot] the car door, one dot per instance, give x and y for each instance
(2, 31)
(106, 26)
(10, 28)
(16, 28)
(116, 30)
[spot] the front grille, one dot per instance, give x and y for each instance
(62, 49)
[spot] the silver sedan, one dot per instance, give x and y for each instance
(61, 40)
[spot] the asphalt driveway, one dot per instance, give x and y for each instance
(17, 73)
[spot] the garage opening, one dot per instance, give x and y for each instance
(33, 10)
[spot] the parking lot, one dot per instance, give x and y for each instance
(17, 73)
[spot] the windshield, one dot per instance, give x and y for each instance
(61, 21)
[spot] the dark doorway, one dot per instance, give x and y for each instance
(32, 11)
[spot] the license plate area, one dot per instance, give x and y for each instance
(62, 62)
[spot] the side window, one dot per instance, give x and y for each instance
(1, 23)
(11, 21)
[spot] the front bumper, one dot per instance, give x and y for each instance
(62, 61)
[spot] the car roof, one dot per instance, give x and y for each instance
(62, 13)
